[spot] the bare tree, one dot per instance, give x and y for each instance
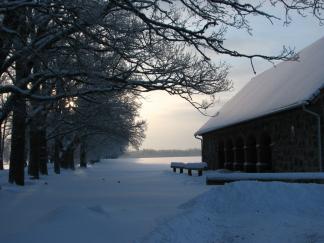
(95, 123)
(135, 30)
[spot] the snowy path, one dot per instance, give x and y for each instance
(110, 202)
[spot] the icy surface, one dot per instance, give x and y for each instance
(287, 85)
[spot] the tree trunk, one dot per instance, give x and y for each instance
(57, 146)
(83, 154)
(1, 147)
(3, 137)
(34, 150)
(67, 161)
(64, 161)
(38, 156)
(43, 152)
(71, 157)
(38, 144)
(22, 68)
(17, 154)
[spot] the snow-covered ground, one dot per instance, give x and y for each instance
(250, 212)
(113, 201)
(266, 176)
(123, 201)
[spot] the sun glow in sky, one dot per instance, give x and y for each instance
(172, 121)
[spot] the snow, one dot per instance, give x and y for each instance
(287, 85)
(197, 165)
(112, 201)
(178, 164)
(249, 212)
(191, 165)
(268, 176)
(132, 201)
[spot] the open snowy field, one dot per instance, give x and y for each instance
(142, 200)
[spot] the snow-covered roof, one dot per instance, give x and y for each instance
(287, 85)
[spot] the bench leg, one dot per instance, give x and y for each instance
(199, 172)
(189, 172)
(174, 169)
(181, 170)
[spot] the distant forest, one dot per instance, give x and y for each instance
(148, 153)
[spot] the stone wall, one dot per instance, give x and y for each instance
(285, 141)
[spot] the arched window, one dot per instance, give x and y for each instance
(251, 155)
(265, 163)
(229, 155)
(221, 155)
(239, 152)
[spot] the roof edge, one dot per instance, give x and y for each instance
(285, 108)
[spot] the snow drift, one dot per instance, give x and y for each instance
(251, 212)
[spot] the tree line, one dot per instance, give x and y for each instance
(71, 71)
(149, 153)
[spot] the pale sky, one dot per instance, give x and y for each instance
(172, 121)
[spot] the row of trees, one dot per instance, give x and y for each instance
(75, 129)
(74, 68)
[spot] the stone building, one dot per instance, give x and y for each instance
(275, 123)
